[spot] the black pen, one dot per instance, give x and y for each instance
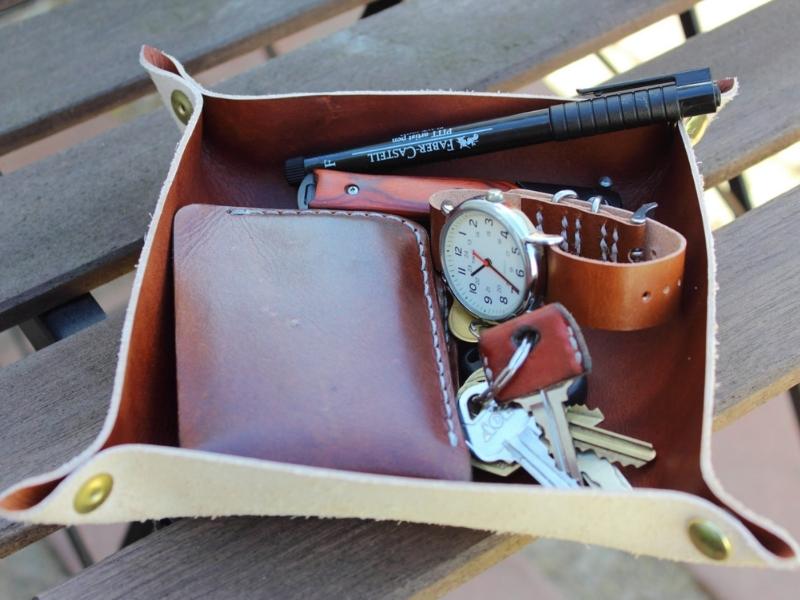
(611, 108)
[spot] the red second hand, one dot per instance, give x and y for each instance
(484, 262)
(488, 263)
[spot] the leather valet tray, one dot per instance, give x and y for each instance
(655, 384)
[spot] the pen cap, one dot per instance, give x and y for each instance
(294, 169)
(699, 99)
(613, 112)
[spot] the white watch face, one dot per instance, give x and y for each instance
(485, 264)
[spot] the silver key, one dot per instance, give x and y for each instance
(600, 473)
(509, 434)
(531, 453)
(548, 406)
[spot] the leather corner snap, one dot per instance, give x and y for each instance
(93, 493)
(181, 106)
(709, 539)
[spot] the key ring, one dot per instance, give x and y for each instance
(507, 373)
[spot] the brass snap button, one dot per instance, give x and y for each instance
(709, 539)
(93, 493)
(181, 106)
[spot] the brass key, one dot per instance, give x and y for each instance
(617, 448)
(580, 414)
(464, 325)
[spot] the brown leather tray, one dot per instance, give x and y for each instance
(654, 384)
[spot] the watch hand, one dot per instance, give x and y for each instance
(485, 262)
(503, 277)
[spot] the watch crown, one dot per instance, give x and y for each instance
(494, 195)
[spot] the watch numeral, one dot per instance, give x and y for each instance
(520, 273)
(458, 251)
(487, 299)
(515, 250)
(488, 221)
(503, 300)
(473, 288)
(504, 233)
(462, 271)
(473, 222)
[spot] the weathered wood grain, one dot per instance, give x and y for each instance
(71, 62)
(14, 536)
(52, 405)
(461, 44)
(758, 272)
(324, 559)
(59, 241)
(379, 559)
(78, 218)
(761, 48)
(6, 4)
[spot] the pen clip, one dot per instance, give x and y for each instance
(680, 79)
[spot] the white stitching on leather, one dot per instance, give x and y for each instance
(445, 319)
(614, 249)
(578, 236)
(539, 221)
(573, 341)
(488, 372)
(564, 243)
(446, 401)
(603, 243)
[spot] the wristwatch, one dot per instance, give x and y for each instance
(502, 253)
(492, 255)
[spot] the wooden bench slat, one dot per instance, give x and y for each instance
(76, 219)
(54, 404)
(14, 536)
(758, 272)
(76, 60)
(462, 45)
(761, 48)
(6, 4)
(191, 544)
(287, 558)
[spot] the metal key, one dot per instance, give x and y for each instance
(477, 376)
(600, 473)
(586, 435)
(498, 467)
(582, 415)
(508, 434)
(576, 413)
(464, 325)
(615, 447)
(548, 407)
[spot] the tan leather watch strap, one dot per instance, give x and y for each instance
(559, 351)
(592, 273)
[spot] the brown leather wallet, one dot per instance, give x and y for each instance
(313, 338)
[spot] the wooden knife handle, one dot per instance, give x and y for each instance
(397, 194)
